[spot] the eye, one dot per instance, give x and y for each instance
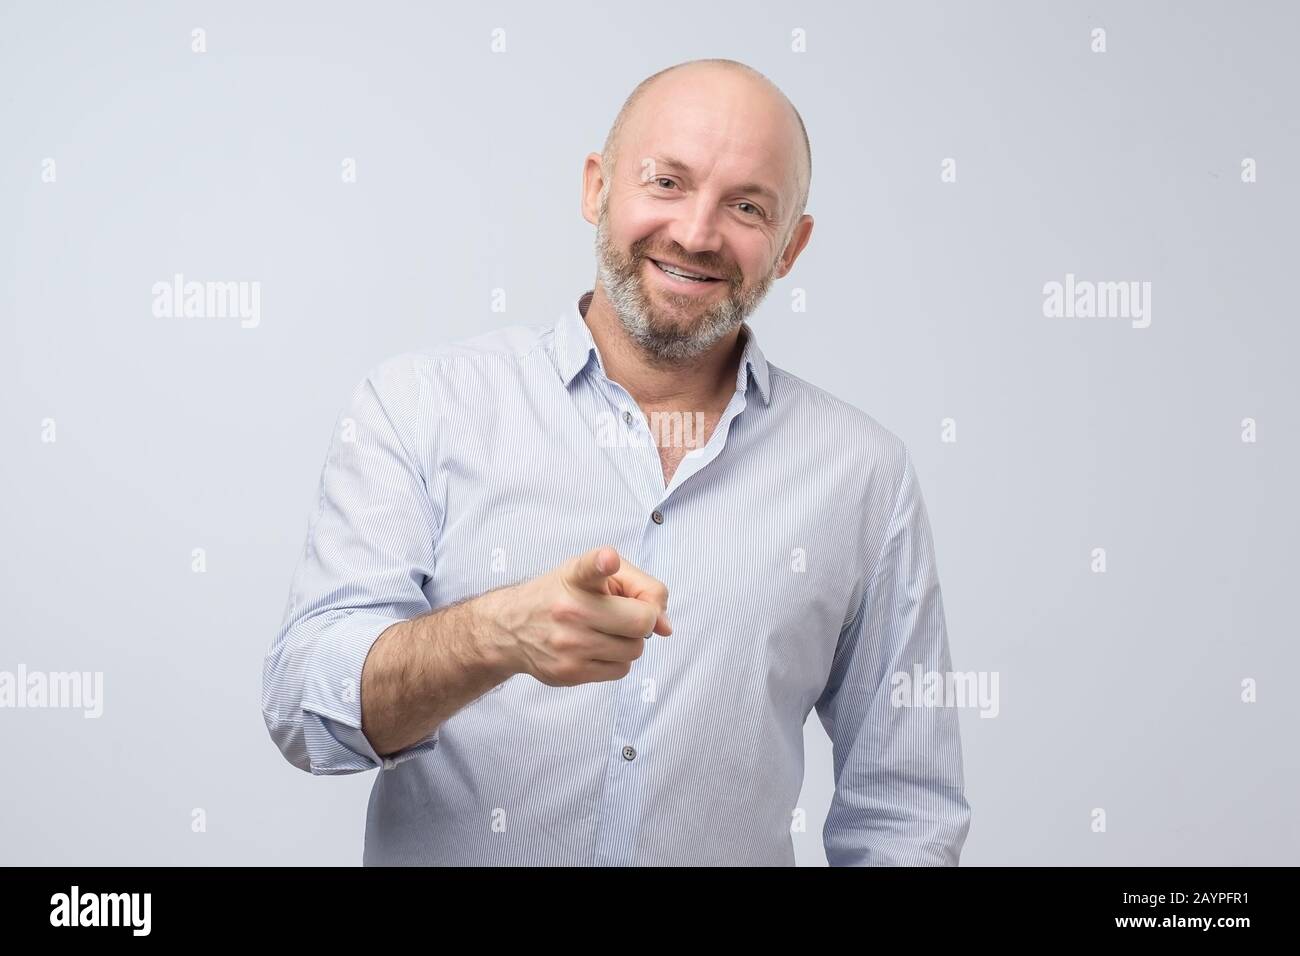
(664, 179)
(757, 213)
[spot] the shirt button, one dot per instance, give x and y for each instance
(629, 753)
(627, 417)
(657, 517)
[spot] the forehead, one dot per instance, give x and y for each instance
(731, 129)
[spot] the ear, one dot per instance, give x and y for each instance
(593, 181)
(798, 239)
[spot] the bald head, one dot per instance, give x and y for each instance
(657, 91)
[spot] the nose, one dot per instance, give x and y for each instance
(695, 226)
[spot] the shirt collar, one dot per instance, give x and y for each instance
(574, 348)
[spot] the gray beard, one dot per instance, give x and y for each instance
(660, 338)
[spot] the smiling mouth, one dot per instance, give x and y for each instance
(683, 274)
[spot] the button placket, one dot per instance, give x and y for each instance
(636, 438)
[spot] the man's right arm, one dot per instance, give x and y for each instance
(370, 549)
(358, 626)
(420, 672)
(586, 620)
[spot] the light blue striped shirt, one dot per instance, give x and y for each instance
(801, 573)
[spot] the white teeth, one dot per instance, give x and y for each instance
(672, 270)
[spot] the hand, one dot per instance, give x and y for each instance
(587, 620)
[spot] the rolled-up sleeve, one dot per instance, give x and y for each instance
(368, 553)
(899, 796)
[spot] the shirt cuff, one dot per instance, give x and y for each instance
(331, 699)
(349, 743)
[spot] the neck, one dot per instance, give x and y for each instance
(697, 385)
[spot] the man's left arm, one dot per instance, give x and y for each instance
(899, 796)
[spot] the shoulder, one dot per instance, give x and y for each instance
(839, 427)
(459, 362)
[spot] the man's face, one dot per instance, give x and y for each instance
(702, 215)
(673, 319)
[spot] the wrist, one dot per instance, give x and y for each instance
(491, 637)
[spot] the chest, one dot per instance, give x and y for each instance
(761, 560)
(675, 435)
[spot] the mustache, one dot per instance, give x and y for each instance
(686, 262)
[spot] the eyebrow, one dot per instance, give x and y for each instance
(767, 192)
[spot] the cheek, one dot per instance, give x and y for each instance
(637, 221)
(755, 261)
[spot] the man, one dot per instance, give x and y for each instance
(572, 635)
